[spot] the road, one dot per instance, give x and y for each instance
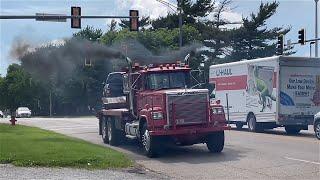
(269, 155)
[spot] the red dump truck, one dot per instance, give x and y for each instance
(157, 105)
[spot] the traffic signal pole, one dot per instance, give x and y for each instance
(316, 29)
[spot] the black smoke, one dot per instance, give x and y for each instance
(50, 61)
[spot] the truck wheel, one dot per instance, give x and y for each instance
(239, 125)
(113, 134)
(104, 131)
(317, 129)
(148, 142)
(215, 142)
(252, 123)
(292, 130)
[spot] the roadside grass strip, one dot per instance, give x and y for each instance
(30, 146)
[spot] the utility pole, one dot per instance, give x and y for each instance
(180, 26)
(176, 10)
(50, 103)
(316, 28)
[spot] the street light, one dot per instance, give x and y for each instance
(316, 29)
(178, 10)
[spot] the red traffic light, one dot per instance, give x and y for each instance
(134, 20)
(76, 22)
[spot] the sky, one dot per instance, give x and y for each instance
(296, 14)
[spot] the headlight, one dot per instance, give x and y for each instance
(217, 111)
(157, 115)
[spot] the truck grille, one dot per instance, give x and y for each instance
(187, 109)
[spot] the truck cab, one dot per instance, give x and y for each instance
(163, 108)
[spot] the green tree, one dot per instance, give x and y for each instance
(153, 40)
(18, 89)
(192, 10)
(254, 39)
(144, 22)
(89, 33)
(3, 93)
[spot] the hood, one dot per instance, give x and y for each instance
(177, 91)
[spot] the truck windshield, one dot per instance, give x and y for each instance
(168, 80)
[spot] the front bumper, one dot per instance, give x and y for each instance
(188, 130)
(24, 115)
(296, 120)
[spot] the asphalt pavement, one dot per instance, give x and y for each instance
(269, 155)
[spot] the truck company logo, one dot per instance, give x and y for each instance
(224, 72)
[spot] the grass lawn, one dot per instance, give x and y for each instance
(29, 146)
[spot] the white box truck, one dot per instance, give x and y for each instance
(268, 92)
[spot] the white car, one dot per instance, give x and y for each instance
(1, 114)
(316, 125)
(23, 112)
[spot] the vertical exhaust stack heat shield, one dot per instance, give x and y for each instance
(186, 59)
(129, 61)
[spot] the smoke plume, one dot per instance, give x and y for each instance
(138, 53)
(20, 48)
(54, 63)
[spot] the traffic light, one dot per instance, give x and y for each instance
(280, 45)
(76, 22)
(302, 36)
(134, 20)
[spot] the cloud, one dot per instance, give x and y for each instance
(232, 17)
(155, 9)
(229, 16)
(151, 8)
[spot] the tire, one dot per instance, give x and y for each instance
(292, 130)
(317, 129)
(252, 123)
(104, 131)
(149, 143)
(113, 133)
(215, 142)
(239, 125)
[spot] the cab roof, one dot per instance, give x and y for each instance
(164, 69)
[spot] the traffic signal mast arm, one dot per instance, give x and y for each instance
(60, 17)
(76, 18)
(310, 40)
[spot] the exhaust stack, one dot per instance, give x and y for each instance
(129, 61)
(186, 59)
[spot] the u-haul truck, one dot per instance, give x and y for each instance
(268, 92)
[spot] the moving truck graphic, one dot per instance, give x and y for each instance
(269, 92)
